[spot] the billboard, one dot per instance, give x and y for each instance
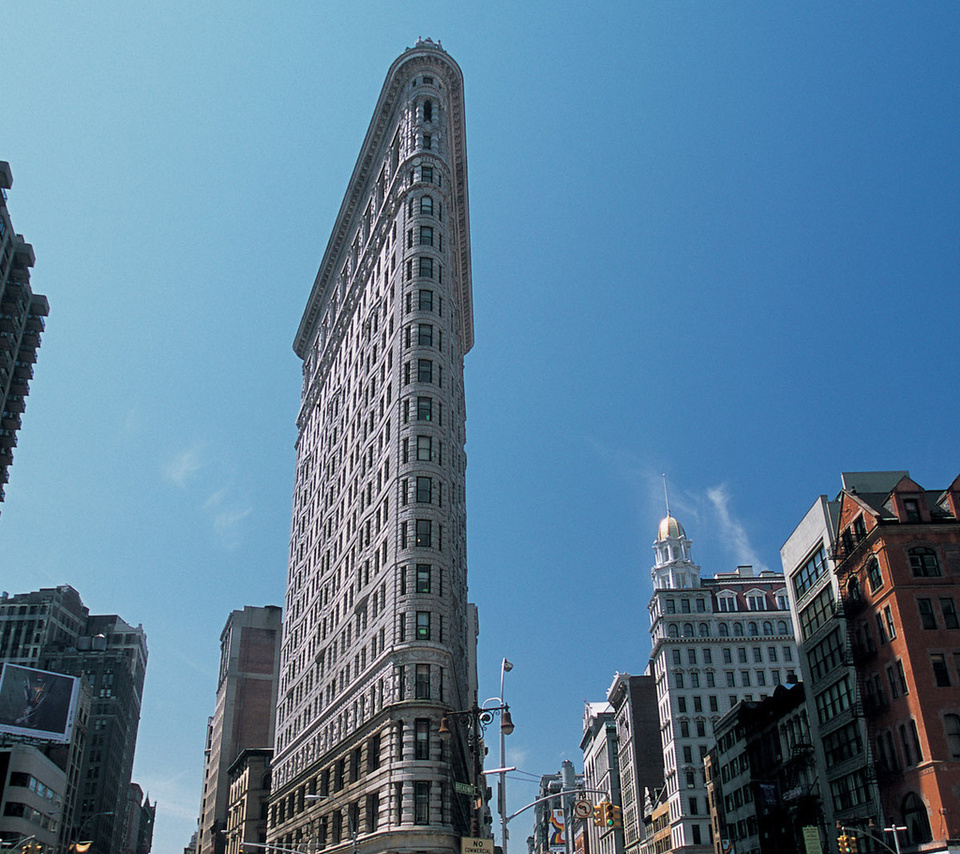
(37, 703)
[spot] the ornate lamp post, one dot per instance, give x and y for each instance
(479, 718)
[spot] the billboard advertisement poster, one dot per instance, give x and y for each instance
(37, 703)
(557, 824)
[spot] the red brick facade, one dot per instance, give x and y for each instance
(898, 562)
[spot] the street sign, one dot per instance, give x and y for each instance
(475, 845)
(582, 808)
(463, 788)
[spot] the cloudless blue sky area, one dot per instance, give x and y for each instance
(716, 240)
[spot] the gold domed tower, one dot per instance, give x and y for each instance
(673, 567)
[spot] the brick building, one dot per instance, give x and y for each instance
(897, 560)
(244, 714)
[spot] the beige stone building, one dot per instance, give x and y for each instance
(378, 637)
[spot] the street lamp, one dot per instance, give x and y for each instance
(506, 727)
(480, 717)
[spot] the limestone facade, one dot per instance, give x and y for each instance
(378, 636)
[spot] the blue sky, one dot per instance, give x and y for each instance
(716, 240)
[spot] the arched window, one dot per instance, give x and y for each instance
(672, 630)
(724, 630)
(426, 205)
(853, 589)
(923, 562)
(738, 629)
(781, 627)
(915, 818)
(703, 630)
(752, 629)
(688, 630)
(874, 578)
(767, 627)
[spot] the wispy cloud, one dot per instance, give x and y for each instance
(222, 507)
(181, 469)
(228, 515)
(732, 532)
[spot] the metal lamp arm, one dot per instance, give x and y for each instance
(557, 795)
(857, 830)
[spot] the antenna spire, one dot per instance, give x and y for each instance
(666, 499)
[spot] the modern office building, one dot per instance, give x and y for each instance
(639, 755)
(52, 629)
(715, 641)
(32, 792)
(245, 710)
(21, 322)
(378, 636)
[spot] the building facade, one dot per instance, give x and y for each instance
(140, 819)
(897, 563)
(715, 641)
(601, 773)
(841, 750)
(377, 636)
(764, 791)
(553, 825)
(249, 799)
(245, 710)
(21, 322)
(51, 629)
(640, 758)
(32, 792)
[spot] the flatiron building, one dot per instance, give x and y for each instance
(378, 638)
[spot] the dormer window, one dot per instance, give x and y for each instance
(911, 509)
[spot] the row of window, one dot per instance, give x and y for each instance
(756, 652)
(746, 680)
(948, 613)
(675, 630)
(923, 564)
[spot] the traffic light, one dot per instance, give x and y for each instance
(843, 843)
(598, 815)
(609, 817)
(617, 822)
(852, 844)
